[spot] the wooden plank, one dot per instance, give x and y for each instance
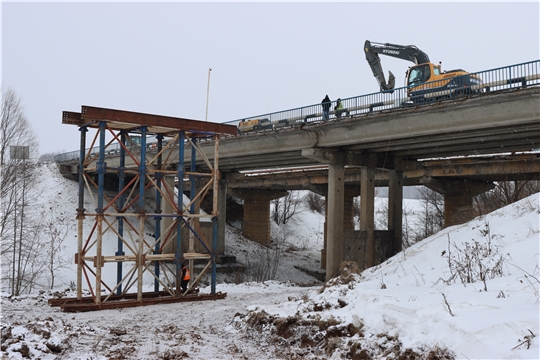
(90, 299)
(83, 307)
(197, 256)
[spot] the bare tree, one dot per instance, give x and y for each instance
(57, 230)
(504, 193)
(315, 202)
(18, 148)
(285, 207)
(432, 215)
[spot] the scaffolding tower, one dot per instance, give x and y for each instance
(145, 158)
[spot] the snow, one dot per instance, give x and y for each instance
(385, 312)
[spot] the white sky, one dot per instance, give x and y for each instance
(265, 57)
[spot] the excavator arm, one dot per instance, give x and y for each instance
(408, 52)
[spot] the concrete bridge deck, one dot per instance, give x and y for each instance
(490, 123)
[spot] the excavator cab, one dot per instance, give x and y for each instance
(418, 74)
(422, 73)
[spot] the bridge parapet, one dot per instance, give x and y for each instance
(502, 78)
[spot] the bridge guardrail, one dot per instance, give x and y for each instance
(519, 75)
(507, 77)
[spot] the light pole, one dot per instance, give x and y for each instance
(207, 94)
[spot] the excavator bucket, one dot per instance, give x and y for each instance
(391, 81)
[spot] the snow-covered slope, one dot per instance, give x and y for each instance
(472, 289)
(415, 303)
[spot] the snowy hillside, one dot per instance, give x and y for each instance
(434, 300)
(479, 303)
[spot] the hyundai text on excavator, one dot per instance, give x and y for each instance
(425, 80)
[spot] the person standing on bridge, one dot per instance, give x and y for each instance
(326, 103)
(338, 108)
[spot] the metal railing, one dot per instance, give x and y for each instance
(514, 76)
(507, 77)
(111, 149)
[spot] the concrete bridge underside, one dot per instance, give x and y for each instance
(459, 180)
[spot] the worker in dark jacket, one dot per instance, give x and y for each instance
(326, 103)
(185, 277)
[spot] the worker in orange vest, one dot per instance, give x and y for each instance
(185, 277)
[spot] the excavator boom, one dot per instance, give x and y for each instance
(405, 52)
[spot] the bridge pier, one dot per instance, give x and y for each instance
(367, 247)
(395, 209)
(350, 192)
(458, 197)
(334, 216)
(256, 225)
(367, 212)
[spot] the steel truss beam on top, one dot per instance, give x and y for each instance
(122, 222)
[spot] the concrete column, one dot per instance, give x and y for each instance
(395, 208)
(324, 250)
(334, 239)
(457, 208)
(256, 224)
(348, 218)
(367, 212)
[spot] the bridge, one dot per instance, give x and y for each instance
(457, 147)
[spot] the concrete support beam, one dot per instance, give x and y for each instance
(458, 197)
(367, 212)
(395, 208)
(334, 226)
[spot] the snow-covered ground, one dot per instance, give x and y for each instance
(417, 304)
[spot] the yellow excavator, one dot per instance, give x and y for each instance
(425, 81)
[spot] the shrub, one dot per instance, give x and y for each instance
(315, 202)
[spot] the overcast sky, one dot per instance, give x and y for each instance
(265, 57)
